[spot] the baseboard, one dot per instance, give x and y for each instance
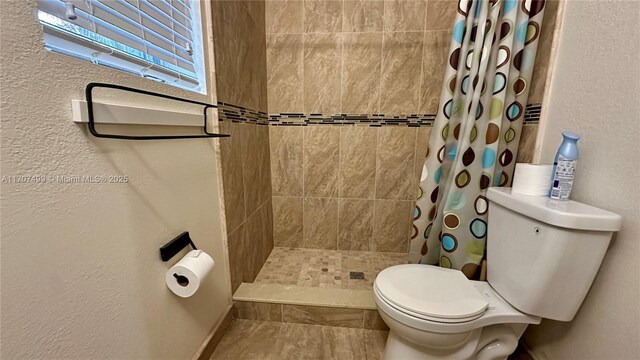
(211, 341)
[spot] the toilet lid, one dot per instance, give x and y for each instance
(431, 291)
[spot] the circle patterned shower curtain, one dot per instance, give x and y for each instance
(475, 136)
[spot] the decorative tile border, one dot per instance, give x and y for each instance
(532, 113)
(234, 113)
(375, 120)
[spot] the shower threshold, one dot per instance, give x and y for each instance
(321, 278)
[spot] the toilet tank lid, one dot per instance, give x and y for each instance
(567, 214)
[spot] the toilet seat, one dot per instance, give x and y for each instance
(496, 310)
(431, 293)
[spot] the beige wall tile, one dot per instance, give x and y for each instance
(373, 321)
(316, 315)
(230, 25)
(322, 16)
(441, 14)
(239, 45)
(404, 15)
(355, 221)
(358, 161)
(434, 62)
(363, 15)
(527, 145)
(283, 16)
(361, 72)
(255, 165)
(401, 68)
(263, 103)
(257, 11)
(257, 311)
(287, 222)
(268, 227)
(320, 223)
(237, 242)
(322, 72)
(392, 223)
(286, 160)
(543, 56)
(395, 167)
(240, 48)
(232, 176)
(285, 73)
(321, 152)
(253, 70)
(538, 80)
(259, 241)
(264, 176)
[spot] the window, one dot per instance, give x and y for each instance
(156, 39)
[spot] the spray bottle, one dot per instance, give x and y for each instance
(564, 167)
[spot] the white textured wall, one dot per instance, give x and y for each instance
(81, 276)
(595, 91)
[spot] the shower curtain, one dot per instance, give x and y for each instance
(475, 136)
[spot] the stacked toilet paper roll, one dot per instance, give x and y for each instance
(532, 179)
(184, 278)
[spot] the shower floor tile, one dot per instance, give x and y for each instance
(326, 268)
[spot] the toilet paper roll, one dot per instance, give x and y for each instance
(184, 278)
(532, 179)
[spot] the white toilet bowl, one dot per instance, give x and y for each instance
(437, 313)
(534, 245)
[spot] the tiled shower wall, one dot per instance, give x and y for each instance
(353, 187)
(367, 56)
(346, 188)
(349, 187)
(356, 56)
(239, 45)
(334, 187)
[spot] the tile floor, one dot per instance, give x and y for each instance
(264, 340)
(326, 268)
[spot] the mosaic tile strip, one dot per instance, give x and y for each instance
(532, 113)
(235, 113)
(375, 120)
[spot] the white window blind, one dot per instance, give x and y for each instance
(156, 39)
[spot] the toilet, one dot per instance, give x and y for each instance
(542, 256)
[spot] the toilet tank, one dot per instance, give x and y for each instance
(543, 254)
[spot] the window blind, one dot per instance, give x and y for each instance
(157, 39)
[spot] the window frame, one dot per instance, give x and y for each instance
(64, 37)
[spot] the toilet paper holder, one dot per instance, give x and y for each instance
(170, 249)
